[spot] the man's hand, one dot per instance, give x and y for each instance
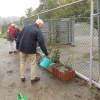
(48, 56)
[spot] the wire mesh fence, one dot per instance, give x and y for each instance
(72, 37)
(80, 52)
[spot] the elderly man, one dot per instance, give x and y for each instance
(26, 44)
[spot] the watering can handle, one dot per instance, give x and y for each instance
(20, 95)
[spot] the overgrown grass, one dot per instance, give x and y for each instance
(3, 35)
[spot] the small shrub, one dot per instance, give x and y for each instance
(68, 63)
(55, 55)
(3, 35)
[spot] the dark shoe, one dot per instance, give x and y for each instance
(23, 79)
(10, 52)
(35, 80)
(15, 52)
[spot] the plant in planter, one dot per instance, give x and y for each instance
(69, 73)
(68, 63)
(63, 71)
(55, 56)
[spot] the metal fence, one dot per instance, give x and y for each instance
(80, 52)
(77, 32)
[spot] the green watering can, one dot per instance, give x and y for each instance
(45, 62)
(21, 97)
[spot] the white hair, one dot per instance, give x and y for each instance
(38, 21)
(12, 24)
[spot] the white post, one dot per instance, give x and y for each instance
(91, 40)
(87, 79)
(22, 22)
(38, 17)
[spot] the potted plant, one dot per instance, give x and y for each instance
(70, 71)
(62, 71)
(55, 58)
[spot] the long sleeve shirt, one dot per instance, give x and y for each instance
(28, 39)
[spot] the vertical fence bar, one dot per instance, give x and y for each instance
(98, 20)
(38, 17)
(91, 40)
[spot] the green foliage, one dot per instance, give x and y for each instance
(55, 55)
(68, 62)
(3, 35)
(79, 9)
(52, 40)
(29, 12)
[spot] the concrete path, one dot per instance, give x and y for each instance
(48, 88)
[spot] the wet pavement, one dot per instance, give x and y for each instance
(48, 88)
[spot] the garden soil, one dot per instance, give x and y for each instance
(48, 88)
